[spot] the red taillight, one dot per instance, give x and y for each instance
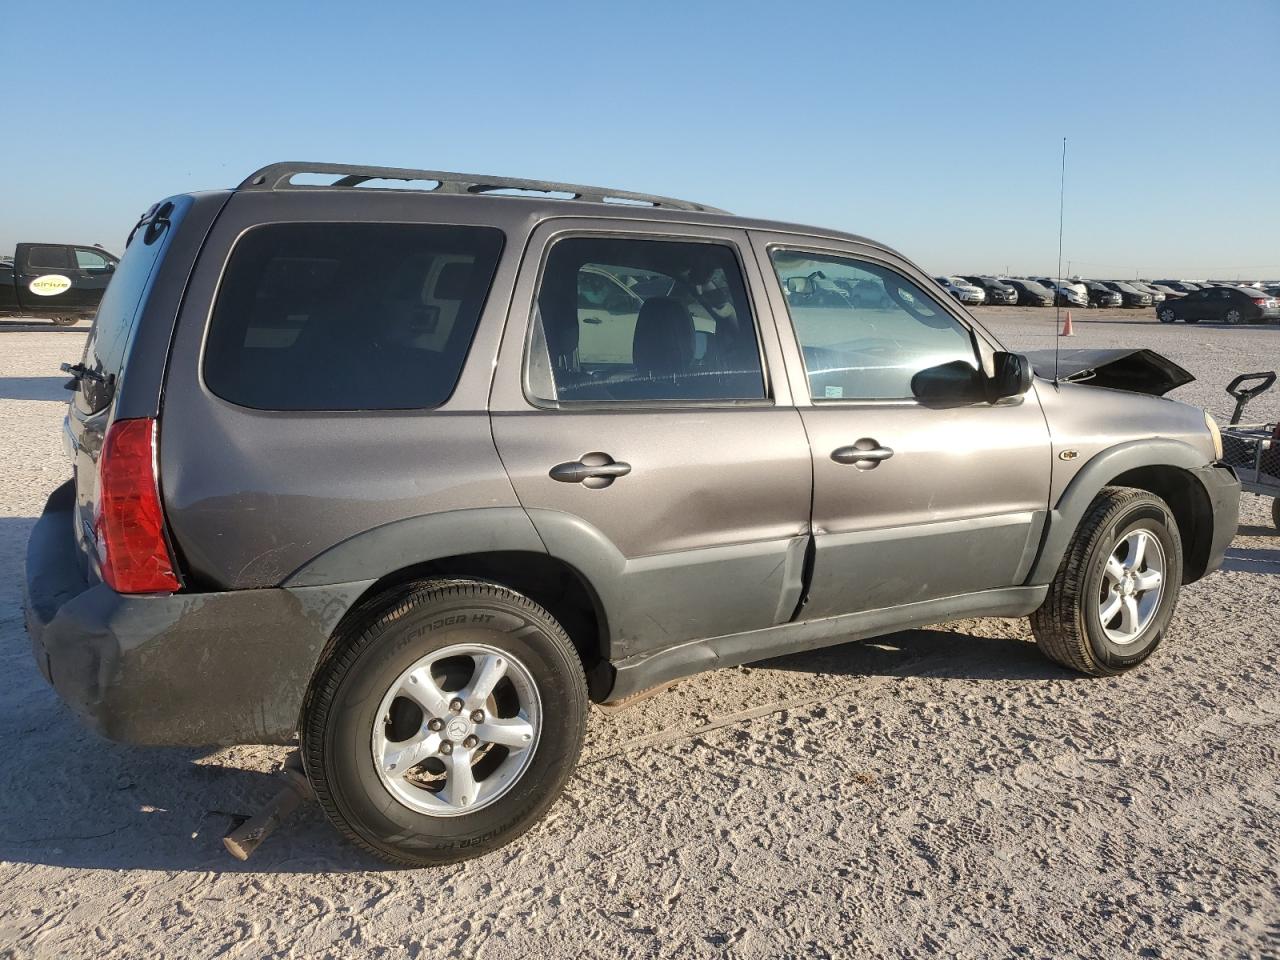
(1259, 303)
(129, 525)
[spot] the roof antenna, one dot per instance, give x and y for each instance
(1057, 294)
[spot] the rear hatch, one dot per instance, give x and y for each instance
(100, 374)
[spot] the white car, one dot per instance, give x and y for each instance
(962, 290)
(1071, 293)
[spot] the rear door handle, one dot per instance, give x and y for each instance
(593, 470)
(866, 454)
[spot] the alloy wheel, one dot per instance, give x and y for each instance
(457, 729)
(1132, 585)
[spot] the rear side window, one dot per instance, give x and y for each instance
(348, 316)
(50, 258)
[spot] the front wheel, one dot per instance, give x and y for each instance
(445, 723)
(1113, 596)
(1167, 316)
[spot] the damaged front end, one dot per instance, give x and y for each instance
(1138, 371)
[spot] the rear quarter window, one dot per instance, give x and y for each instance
(348, 316)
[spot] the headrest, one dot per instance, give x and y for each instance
(663, 344)
(452, 282)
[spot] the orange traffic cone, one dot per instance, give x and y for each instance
(1066, 326)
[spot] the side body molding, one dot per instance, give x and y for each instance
(393, 546)
(1100, 470)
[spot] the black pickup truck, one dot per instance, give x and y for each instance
(61, 281)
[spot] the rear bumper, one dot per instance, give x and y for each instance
(172, 669)
(1223, 487)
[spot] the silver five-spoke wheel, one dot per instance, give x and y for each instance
(1132, 585)
(457, 729)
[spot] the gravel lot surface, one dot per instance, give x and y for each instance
(939, 792)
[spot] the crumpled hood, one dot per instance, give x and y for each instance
(1139, 371)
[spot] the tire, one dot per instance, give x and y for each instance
(354, 708)
(65, 321)
(1234, 316)
(1166, 316)
(1275, 514)
(1069, 625)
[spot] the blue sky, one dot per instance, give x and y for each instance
(935, 127)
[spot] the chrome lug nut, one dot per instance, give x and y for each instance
(446, 748)
(477, 716)
(435, 724)
(471, 741)
(456, 705)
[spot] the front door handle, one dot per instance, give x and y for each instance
(593, 470)
(866, 454)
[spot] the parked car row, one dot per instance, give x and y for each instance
(1213, 300)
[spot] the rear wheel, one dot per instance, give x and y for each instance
(445, 723)
(1111, 600)
(1235, 316)
(1167, 316)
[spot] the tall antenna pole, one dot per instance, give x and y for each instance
(1057, 294)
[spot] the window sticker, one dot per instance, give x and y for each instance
(834, 393)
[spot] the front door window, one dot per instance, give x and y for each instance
(864, 330)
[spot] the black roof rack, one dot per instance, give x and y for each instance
(278, 176)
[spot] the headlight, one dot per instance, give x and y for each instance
(1215, 433)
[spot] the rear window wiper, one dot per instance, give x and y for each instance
(79, 373)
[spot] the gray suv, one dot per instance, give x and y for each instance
(417, 475)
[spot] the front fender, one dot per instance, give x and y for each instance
(1099, 471)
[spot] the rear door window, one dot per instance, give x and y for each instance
(643, 320)
(50, 257)
(348, 316)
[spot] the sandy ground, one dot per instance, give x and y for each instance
(940, 792)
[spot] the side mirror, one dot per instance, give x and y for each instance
(1011, 376)
(949, 384)
(958, 383)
